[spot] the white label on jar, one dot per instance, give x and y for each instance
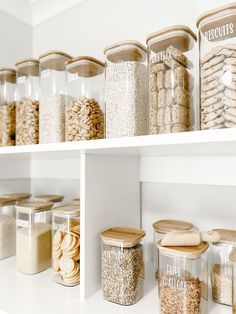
(21, 79)
(174, 282)
(40, 218)
(173, 270)
(222, 31)
(113, 256)
(162, 55)
(22, 223)
(73, 77)
(45, 73)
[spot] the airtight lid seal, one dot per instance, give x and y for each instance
(85, 66)
(164, 226)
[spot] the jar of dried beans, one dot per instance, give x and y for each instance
(126, 92)
(52, 96)
(27, 105)
(7, 107)
(122, 265)
(85, 108)
(183, 279)
(172, 90)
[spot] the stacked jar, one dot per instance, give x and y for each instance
(27, 105)
(126, 92)
(53, 198)
(172, 90)
(7, 107)
(217, 34)
(52, 96)
(85, 109)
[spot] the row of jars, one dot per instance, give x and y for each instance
(41, 234)
(181, 271)
(63, 98)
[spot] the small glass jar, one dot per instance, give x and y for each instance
(217, 34)
(27, 104)
(7, 107)
(172, 90)
(33, 237)
(221, 268)
(7, 227)
(85, 108)
(183, 279)
(52, 96)
(122, 265)
(55, 199)
(66, 245)
(126, 94)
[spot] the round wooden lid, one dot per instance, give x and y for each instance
(164, 226)
(189, 252)
(33, 206)
(85, 66)
(226, 236)
(122, 236)
(48, 198)
(6, 201)
(7, 75)
(18, 196)
(67, 210)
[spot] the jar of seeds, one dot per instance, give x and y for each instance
(85, 108)
(183, 279)
(126, 92)
(7, 106)
(172, 90)
(52, 96)
(27, 105)
(122, 265)
(221, 268)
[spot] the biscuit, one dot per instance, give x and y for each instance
(57, 238)
(212, 85)
(162, 98)
(161, 116)
(210, 101)
(212, 115)
(213, 123)
(182, 97)
(160, 82)
(171, 63)
(230, 93)
(214, 61)
(156, 67)
(180, 115)
(231, 61)
(177, 55)
(216, 106)
(211, 93)
(231, 111)
(228, 53)
(215, 76)
(153, 82)
(180, 128)
(212, 70)
(214, 52)
(229, 124)
(229, 117)
(66, 265)
(153, 99)
(229, 102)
(229, 68)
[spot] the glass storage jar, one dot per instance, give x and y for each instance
(217, 32)
(7, 227)
(122, 265)
(221, 268)
(33, 237)
(52, 96)
(27, 102)
(232, 258)
(55, 199)
(85, 108)
(7, 107)
(172, 90)
(126, 93)
(66, 245)
(183, 279)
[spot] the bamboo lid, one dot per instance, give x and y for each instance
(189, 252)
(226, 236)
(122, 236)
(67, 210)
(164, 226)
(28, 66)
(48, 198)
(54, 60)
(7, 75)
(27, 207)
(6, 201)
(85, 66)
(18, 196)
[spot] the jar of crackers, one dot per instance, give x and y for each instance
(172, 89)
(217, 32)
(66, 245)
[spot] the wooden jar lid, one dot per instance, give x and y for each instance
(7, 75)
(67, 210)
(54, 60)
(48, 198)
(122, 236)
(18, 196)
(227, 236)
(4, 201)
(26, 207)
(164, 226)
(28, 66)
(85, 66)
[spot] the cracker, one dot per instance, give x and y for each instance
(66, 264)
(211, 93)
(156, 67)
(212, 70)
(182, 97)
(57, 239)
(180, 128)
(212, 85)
(177, 55)
(231, 111)
(153, 82)
(229, 117)
(229, 124)
(230, 93)
(162, 98)
(229, 102)
(171, 63)
(230, 61)
(212, 100)
(215, 122)
(212, 115)
(180, 115)
(211, 54)
(215, 76)
(216, 106)
(214, 61)
(160, 82)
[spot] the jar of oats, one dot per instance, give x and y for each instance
(52, 71)
(217, 34)
(27, 104)
(7, 107)
(172, 90)
(126, 92)
(122, 265)
(85, 108)
(183, 279)
(221, 268)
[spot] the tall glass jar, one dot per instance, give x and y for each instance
(232, 259)
(33, 237)
(85, 108)
(217, 32)
(221, 268)
(172, 90)
(183, 279)
(122, 265)
(7, 107)
(66, 245)
(50, 198)
(52, 96)
(126, 92)
(27, 105)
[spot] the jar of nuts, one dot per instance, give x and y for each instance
(85, 108)
(172, 90)
(122, 265)
(27, 104)
(7, 106)
(66, 245)
(52, 96)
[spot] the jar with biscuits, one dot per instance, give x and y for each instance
(217, 34)
(172, 86)
(85, 107)
(66, 245)
(33, 236)
(27, 104)
(7, 107)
